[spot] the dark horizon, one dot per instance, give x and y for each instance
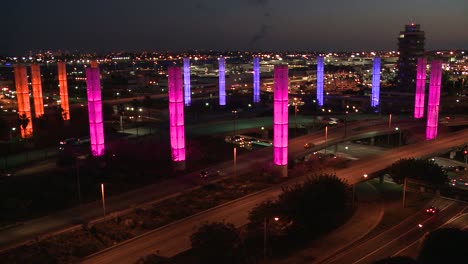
(246, 25)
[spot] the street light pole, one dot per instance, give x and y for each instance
(390, 121)
(295, 119)
(103, 199)
(235, 164)
(264, 237)
(404, 192)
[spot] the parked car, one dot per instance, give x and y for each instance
(309, 145)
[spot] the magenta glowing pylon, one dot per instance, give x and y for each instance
(96, 128)
(375, 100)
(280, 117)
(420, 88)
(222, 81)
(320, 80)
(256, 79)
(187, 92)
(176, 113)
(434, 99)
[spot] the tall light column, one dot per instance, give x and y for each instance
(22, 95)
(96, 129)
(375, 100)
(433, 100)
(176, 116)
(420, 88)
(280, 118)
(187, 92)
(62, 77)
(256, 79)
(320, 80)
(222, 81)
(37, 90)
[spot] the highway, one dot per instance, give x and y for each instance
(174, 238)
(401, 239)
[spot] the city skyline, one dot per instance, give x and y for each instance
(266, 25)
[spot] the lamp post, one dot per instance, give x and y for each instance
(235, 164)
(103, 199)
(399, 135)
(265, 226)
(404, 192)
(389, 120)
(295, 116)
(234, 120)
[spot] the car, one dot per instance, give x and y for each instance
(309, 145)
(209, 173)
(432, 210)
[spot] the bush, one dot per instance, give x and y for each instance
(216, 243)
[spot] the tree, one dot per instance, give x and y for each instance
(446, 245)
(418, 169)
(396, 260)
(216, 242)
(316, 205)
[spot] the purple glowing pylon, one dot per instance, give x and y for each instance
(96, 128)
(420, 88)
(433, 100)
(256, 79)
(375, 100)
(222, 82)
(176, 114)
(280, 118)
(320, 80)
(187, 92)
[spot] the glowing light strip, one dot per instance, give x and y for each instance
(320, 80)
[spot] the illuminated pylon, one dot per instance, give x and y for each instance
(280, 118)
(62, 78)
(37, 90)
(222, 82)
(187, 92)
(420, 88)
(375, 100)
(176, 114)
(320, 80)
(433, 100)
(22, 95)
(256, 79)
(96, 129)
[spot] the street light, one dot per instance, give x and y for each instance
(399, 135)
(389, 120)
(265, 225)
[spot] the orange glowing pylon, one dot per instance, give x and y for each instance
(62, 78)
(37, 90)
(22, 94)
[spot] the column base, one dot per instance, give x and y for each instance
(281, 171)
(179, 165)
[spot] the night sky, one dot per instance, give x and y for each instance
(268, 25)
